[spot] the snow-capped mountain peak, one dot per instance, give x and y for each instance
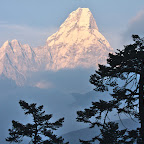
(15, 60)
(81, 18)
(77, 43)
(5, 45)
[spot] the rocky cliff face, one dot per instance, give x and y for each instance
(77, 43)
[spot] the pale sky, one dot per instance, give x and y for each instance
(32, 21)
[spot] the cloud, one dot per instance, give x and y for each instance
(43, 85)
(34, 36)
(67, 80)
(135, 26)
(138, 17)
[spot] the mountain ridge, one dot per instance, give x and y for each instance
(77, 43)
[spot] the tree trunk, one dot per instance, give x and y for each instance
(141, 105)
(35, 137)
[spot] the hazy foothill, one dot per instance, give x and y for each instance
(75, 88)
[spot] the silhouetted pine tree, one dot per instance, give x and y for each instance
(125, 65)
(41, 127)
(110, 134)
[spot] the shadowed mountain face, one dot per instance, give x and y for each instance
(77, 43)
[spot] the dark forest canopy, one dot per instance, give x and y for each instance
(125, 65)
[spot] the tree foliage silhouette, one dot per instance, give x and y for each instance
(40, 128)
(126, 66)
